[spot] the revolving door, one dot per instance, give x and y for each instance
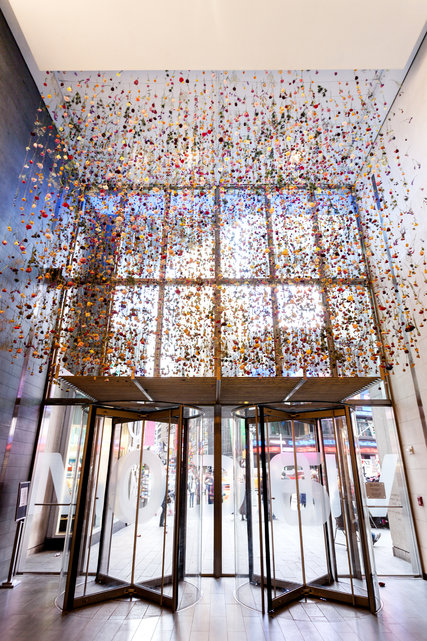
(135, 529)
(300, 520)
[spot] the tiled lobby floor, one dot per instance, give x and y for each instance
(28, 613)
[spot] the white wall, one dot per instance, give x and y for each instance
(404, 211)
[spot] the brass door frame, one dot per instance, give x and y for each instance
(83, 498)
(263, 414)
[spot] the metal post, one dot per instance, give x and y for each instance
(248, 499)
(10, 583)
(261, 546)
(182, 535)
(217, 291)
(217, 569)
(178, 487)
(266, 496)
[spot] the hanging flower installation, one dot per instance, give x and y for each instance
(211, 223)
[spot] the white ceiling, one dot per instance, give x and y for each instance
(218, 34)
(134, 36)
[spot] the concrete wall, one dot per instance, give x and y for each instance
(400, 168)
(20, 390)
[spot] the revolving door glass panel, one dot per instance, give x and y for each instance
(298, 512)
(133, 510)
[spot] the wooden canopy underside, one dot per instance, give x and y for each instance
(225, 391)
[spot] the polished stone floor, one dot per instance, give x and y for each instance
(28, 613)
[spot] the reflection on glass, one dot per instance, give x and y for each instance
(341, 524)
(56, 470)
(74, 481)
(128, 543)
(351, 519)
(385, 493)
(227, 426)
(190, 549)
(157, 506)
(207, 490)
(314, 505)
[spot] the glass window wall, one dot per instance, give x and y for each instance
(241, 282)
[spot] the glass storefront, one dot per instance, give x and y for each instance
(57, 470)
(386, 497)
(295, 493)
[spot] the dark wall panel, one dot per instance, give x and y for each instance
(20, 390)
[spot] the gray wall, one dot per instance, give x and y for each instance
(405, 129)
(20, 391)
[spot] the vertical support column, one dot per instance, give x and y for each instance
(217, 533)
(322, 275)
(162, 278)
(76, 541)
(178, 488)
(217, 551)
(266, 507)
(248, 498)
(182, 535)
(217, 291)
(278, 354)
(261, 545)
